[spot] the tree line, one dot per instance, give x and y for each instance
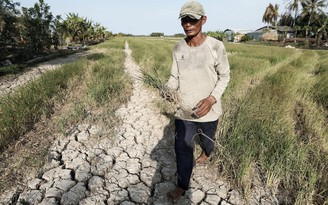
(33, 31)
(307, 18)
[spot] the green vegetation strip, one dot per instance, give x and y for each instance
(275, 123)
(320, 89)
(101, 73)
(19, 111)
(107, 80)
(154, 56)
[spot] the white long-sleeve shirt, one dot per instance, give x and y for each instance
(198, 72)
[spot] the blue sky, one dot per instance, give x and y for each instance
(142, 17)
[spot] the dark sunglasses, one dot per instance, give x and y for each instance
(190, 20)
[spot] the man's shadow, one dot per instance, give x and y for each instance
(164, 179)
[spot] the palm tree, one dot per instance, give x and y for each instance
(267, 16)
(275, 14)
(286, 19)
(89, 30)
(83, 25)
(100, 32)
(271, 14)
(321, 28)
(312, 9)
(294, 6)
(73, 27)
(82, 29)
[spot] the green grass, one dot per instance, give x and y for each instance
(277, 129)
(107, 80)
(11, 69)
(274, 126)
(153, 55)
(271, 54)
(319, 90)
(21, 110)
(87, 91)
(100, 77)
(269, 130)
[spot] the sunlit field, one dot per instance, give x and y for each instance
(64, 96)
(273, 132)
(97, 80)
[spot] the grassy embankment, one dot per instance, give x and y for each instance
(89, 89)
(274, 127)
(100, 77)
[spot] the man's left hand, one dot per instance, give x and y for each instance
(204, 106)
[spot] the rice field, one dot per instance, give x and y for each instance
(273, 131)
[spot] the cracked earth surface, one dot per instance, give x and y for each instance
(136, 166)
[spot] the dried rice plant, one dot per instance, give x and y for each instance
(152, 78)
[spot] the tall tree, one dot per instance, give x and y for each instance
(286, 19)
(74, 26)
(100, 32)
(311, 10)
(275, 14)
(321, 28)
(79, 29)
(8, 20)
(294, 6)
(271, 14)
(38, 22)
(89, 31)
(56, 32)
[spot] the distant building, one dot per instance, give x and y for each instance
(271, 33)
(255, 35)
(258, 33)
(267, 33)
(235, 35)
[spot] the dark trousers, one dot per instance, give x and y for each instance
(185, 133)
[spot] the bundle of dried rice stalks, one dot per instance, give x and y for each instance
(153, 79)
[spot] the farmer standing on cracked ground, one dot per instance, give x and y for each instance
(199, 75)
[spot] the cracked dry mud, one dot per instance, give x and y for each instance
(137, 166)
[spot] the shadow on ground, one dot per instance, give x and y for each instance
(164, 179)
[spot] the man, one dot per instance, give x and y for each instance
(199, 75)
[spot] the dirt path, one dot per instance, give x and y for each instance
(136, 167)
